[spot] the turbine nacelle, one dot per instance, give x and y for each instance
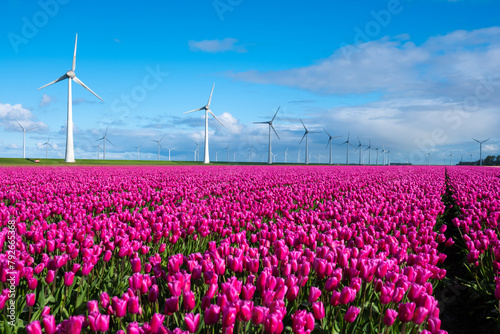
(71, 74)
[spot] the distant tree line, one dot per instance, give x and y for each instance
(490, 160)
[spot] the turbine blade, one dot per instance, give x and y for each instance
(476, 140)
(327, 133)
(210, 98)
(20, 125)
(305, 133)
(187, 112)
(275, 131)
(36, 127)
(74, 55)
(329, 141)
(275, 114)
(109, 141)
(78, 81)
(303, 124)
(260, 122)
(53, 82)
(218, 120)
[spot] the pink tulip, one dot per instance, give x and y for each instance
(30, 300)
(406, 311)
(212, 314)
(156, 323)
(351, 314)
(390, 316)
(192, 322)
(318, 310)
(34, 328)
(68, 278)
(49, 324)
(314, 294)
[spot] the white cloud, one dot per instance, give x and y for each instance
(9, 114)
(46, 100)
(216, 45)
(231, 124)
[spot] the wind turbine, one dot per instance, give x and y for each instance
(451, 156)
(104, 139)
(429, 159)
(298, 156)
(206, 158)
(24, 137)
(170, 149)
(98, 149)
(270, 159)
(47, 144)
(330, 143)
(70, 75)
(359, 147)
(383, 155)
(197, 152)
(481, 150)
(138, 151)
(369, 148)
(234, 156)
(376, 148)
(307, 145)
(389, 157)
(348, 143)
(227, 149)
(286, 154)
(159, 145)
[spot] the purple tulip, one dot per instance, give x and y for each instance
(192, 322)
(156, 323)
(351, 313)
(34, 328)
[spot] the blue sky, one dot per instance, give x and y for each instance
(413, 76)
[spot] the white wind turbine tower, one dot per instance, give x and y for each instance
(159, 145)
(104, 139)
(70, 75)
(197, 152)
(481, 150)
(138, 151)
(274, 157)
(389, 157)
(359, 147)
(234, 156)
(330, 143)
(369, 148)
(47, 144)
(307, 144)
(206, 158)
(270, 159)
(24, 137)
(170, 149)
(348, 143)
(451, 156)
(98, 149)
(429, 159)
(383, 155)
(286, 154)
(298, 156)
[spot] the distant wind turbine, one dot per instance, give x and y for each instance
(206, 158)
(170, 149)
(159, 145)
(70, 75)
(98, 149)
(138, 151)
(369, 148)
(330, 143)
(451, 156)
(270, 123)
(104, 139)
(359, 148)
(47, 144)
(481, 150)
(197, 152)
(24, 137)
(306, 132)
(347, 142)
(389, 157)
(286, 154)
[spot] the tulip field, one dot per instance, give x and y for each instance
(241, 249)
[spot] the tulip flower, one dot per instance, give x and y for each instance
(390, 316)
(30, 299)
(156, 323)
(68, 278)
(192, 322)
(351, 313)
(133, 305)
(49, 324)
(406, 311)
(314, 294)
(188, 301)
(34, 328)
(318, 310)
(212, 314)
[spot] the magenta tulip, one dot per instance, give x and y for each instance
(192, 322)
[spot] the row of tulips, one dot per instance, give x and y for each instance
(476, 192)
(223, 249)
